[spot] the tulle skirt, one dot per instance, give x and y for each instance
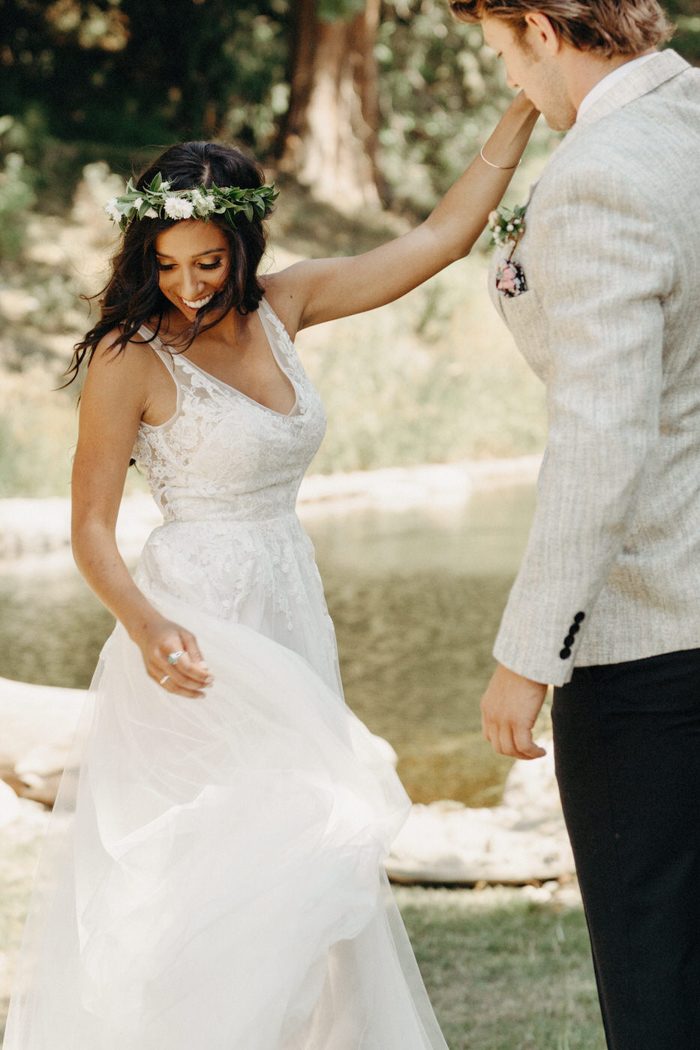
(212, 876)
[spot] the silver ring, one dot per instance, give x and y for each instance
(164, 679)
(174, 657)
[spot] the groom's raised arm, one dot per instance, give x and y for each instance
(602, 267)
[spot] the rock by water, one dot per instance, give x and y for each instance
(522, 840)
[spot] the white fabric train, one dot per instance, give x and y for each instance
(227, 892)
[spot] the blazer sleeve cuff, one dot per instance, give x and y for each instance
(528, 660)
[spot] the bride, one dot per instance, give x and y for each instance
(215, 874)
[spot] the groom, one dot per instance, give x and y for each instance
(603, 299)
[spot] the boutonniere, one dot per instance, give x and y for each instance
(507, 228)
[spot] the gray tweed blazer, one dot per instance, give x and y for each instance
(610, 321)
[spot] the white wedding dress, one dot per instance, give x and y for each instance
(212, 877)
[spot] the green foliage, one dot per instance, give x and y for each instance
(334, 10)
(441, 91)
(121, 71)
(37, 433)
(16, 198)
(686, 15)
(27, 136)
(121, 75)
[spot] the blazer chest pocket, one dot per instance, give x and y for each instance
(527, 323)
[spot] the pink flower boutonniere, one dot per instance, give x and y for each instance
(510, 279)
(507, 228)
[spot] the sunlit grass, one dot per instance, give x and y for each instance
(504, 972)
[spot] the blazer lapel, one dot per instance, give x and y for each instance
(647, 77)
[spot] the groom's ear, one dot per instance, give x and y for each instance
(541, 34)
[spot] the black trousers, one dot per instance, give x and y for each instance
(627, 752)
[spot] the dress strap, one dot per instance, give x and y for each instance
(279, 337)
(168, 359)
(156, 344)
(285, 352)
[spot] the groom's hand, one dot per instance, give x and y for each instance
(509, 710)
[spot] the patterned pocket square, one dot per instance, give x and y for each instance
(510, 279)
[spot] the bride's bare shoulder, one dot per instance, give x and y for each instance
(124, 367)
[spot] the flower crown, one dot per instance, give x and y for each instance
(158, 201)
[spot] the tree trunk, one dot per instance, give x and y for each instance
(329, 138)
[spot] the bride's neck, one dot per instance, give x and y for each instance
(226, 330)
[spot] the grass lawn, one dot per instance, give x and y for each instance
(504, 971)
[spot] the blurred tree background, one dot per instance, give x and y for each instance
(346, 95)
(364, 111)
(327, 87)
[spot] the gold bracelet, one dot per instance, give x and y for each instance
(501, 167)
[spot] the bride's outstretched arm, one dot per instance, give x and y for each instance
(111, 406)
(323, 289)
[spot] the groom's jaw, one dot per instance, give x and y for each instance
(535, 61)
(559, 112)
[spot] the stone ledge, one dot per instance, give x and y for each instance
(523, 840)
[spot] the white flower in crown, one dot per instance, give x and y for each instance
(112, 210)
(204, 203)
(178, 208)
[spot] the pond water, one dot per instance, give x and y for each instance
(416, 596)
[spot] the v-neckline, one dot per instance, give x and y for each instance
(234, 389)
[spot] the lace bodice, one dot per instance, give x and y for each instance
(222, 455)
(225, 472)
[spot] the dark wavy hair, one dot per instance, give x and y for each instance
(132, 296)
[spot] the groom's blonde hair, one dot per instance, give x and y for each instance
(606, 27)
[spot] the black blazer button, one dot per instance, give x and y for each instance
(569, 640)
(565, 653)
(575, 628)
(579, 617)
